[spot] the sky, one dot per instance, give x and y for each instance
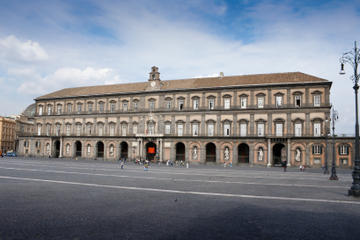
(47, 45)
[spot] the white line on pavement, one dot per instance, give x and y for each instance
(183, 192)
(174, 179)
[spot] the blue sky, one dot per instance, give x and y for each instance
(49, 45)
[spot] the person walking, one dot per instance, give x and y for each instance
(285, 165)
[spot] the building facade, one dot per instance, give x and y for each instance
(7, 134)
(262, 119)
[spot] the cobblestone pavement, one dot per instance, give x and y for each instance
(87, 199)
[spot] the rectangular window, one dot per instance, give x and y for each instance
(279, 129)
(317, 100)
(211, 103)
(260, 129)
(112, 107)
(243, 129)
(49, 110)
(59, 109)
(195, 129)
(226, 129)
(317, 129)
(135, 127)
(152, 105)
(298, 128)
(168, 104)
(101, 129)
(69, 108)
(260, 102)
(125, 106)
(39, 130)
(78, 129)
(112, 129)
(227, 103)
(123, 129)
(88, 129)
(90, 107)
(40, 110)
(167, 128)
(48, 129)
(344, 150)
(180, 129)
(297, 101)
(101, 106)
(181, 104)
(151, 128)
(135, 105)
(278, 101)
(57, 130)
(196, 104)
(317, 149)
(68, 130)
(211, 129)
(243, 102)
(79, 108)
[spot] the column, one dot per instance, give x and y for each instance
(161, 149)
(288, 153)
(61, 147)
(269, 153)
(251, 154)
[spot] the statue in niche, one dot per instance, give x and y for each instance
(195, 153)
(227, 154)
(298, 155)
(261, 154)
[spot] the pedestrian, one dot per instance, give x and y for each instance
(146, 165)
(122, 164)
(285, 165)
(302, 168)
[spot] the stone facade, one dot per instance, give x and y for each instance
(7, 134)
(255, 119)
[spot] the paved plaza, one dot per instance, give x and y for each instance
(69, 199)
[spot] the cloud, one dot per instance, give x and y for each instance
(67, 77)
(13, 49)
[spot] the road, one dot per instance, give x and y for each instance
(69, 199)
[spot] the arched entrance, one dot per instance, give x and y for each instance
(57, 148)
(278, 154)
(150, 151)
(78, 147)
(243, 153)
(100, 150)
(210, 152)
(180, 151)
(124, 150)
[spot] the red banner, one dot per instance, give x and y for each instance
(151, 150)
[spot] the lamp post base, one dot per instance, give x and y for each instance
(355, 193)
(333, 177)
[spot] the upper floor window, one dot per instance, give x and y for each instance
(210, 129)
(101, 106)
(211, 103)
(135, 128)
(180, 128)
(260, 129)
(57, 129)
(100, 129)
(123, 129)
(112, 129)
(279, 128)
(317, 100)
(90, 107)
(297, 100)
(317, 149)
(68, 129)
(135, 105)
(344, 149)
(226, 129)
(112, 106)
(69, 108)
(89, 128)
(125, 106)
(167, 128)
(227, 103)
(317, 129)
(59, 109)
(168, 103)
(40, 110)
(78, 129)
(79, 107)
(39, 129)
(49, 109)
(152, 105)
(243, 129)
(243, 102)
(260, 101)
(48, 129)
(195, 103)
(278, 100)
(195, 129)
(151, 128)
(181, 104)
(298, 129)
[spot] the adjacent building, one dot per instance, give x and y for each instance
(7, 134)
(261, 119)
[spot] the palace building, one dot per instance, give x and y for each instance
(261, 119)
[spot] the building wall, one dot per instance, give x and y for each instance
(7, 134)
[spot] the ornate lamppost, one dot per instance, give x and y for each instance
(334, 117)
(326, 170)
(353, 58)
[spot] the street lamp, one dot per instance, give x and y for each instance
(326, 170)
(353, 58)
(334, 117)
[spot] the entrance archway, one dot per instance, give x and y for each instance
(78, 147)
(150, 151)
(124, 150)
(210, 152)
(100, 150)
(57, 148)
(243, 153)
(278, 153)
(180, 152)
